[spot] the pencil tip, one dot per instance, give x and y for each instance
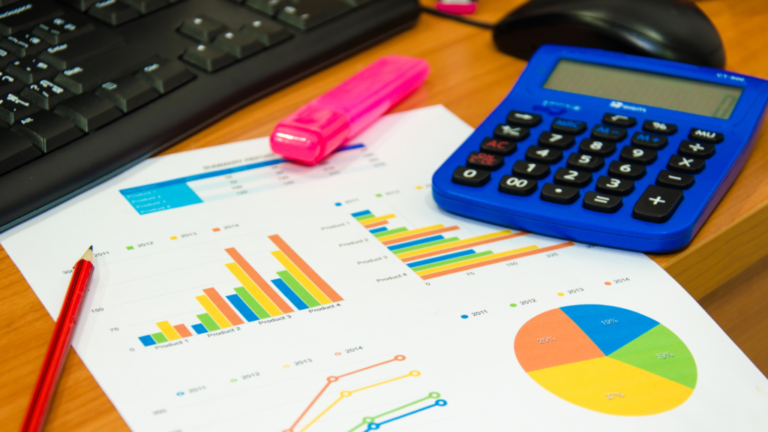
(88, 255)
(91, 248)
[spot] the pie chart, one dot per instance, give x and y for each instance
(607, 359)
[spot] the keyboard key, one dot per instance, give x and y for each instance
(6, 58)
(207, 57)
(24, 44)
(497, 146)
(706, 136)
(146, 6)
(585, 162)
(597, 148)
(512, 133)
(202, 28)
(22, 16)
(614, 186)
(239, 44)
(62, 29)
(601, 203)
(47, 131)
(165, 75)
(485, 161)
(675, 180)
(553, 140)
(127, 93)
(88, 111)
(659, 127)
(267, 32)
(653, 142)
(113, 12)
(9, 84)
(626, 170)
(305, 14)
(269, 7)
(657, 204)
(573, 127)
(46, 94)
(517, 186)
(543, 155)
(71, 53)
(96, 71)
(559, 194)
(619, 120)
(81, 5)
(519, 118)
(15, 151)
(686, 164)
(568, 177)
(638, 155)
(13, 108)
(608, 133)
(471, 176)
(691, 148)
(29, 70)
(530, 170)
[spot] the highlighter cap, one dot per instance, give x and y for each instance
(310, 133)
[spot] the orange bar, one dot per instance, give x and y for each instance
(420, 235)
(305, 268)
(464, 246)
(376, 224)
(259, 281)
(222, 306)
(498, 260)
(183, 331)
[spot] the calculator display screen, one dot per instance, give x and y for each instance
(662, 91)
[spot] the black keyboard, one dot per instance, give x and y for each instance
(89, 88)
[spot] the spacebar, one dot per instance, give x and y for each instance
(94, 72)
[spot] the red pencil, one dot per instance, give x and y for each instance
(59, 347)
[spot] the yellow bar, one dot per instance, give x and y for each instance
(213, 311)
(376, 219)
(407, 233)
(454, 244)
(168, 330)
(301, 278)
(476, 260)
(254, 289)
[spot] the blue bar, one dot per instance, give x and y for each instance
(415, 242)
(147, 340)
(289, 294)
(199, 328)
(378, 230)
(361, 213)
(440, 258)
(241, 307)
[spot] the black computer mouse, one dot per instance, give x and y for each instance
(668, 29)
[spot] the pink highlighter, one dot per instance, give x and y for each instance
(318, 128)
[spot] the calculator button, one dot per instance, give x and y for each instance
(553, 140)
(686, 164)
(585, 162)
(602, 203)
(692, 148)
(615, 186)
(485, 161)
(573, 127)
(597, 148)
(530, 170)
(675, 180)
(608, 133)
(568, 177)
(629, 171)
(559, 194)
(619, 120)
(497, 146)
(520, 118)
(706, 136)
(543, 155)
(657, 204)
(517, 186)
(638, 155)
(649, 141)
(659, 127)
(471, 177)
(512, 133)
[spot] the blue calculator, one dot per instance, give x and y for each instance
(607, 148)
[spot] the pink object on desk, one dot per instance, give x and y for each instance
(318, 128)
(457, 7)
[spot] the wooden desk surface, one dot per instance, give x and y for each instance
(470, 78)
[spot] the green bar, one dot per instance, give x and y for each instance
(364, 217)
(208, 322)
(451, 261)
(252, 303)
(129, 247)
(425, 245)
(298, 289)
(159, 337)
(390, 232)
